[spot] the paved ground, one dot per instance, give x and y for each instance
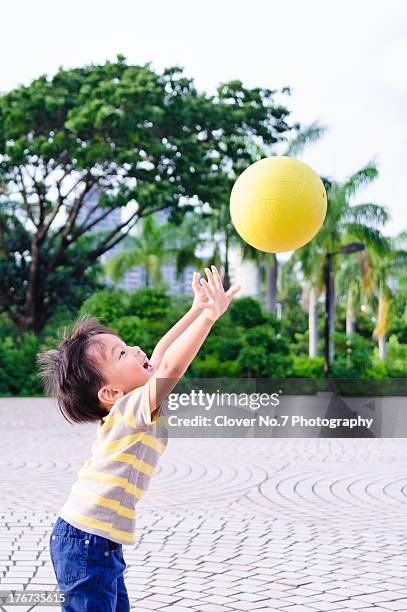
(294, 525)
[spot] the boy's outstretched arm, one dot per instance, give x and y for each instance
(183, 350)
(181, 325)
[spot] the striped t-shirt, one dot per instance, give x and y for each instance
(124, 456)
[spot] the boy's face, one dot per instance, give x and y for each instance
(122, 367)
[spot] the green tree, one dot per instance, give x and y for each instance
(344, 223)
(291, 297)
(354, 356)
(246, 312)
(221, 236)
(384, 267)
(355, 284)
(265, 352)
(136, 135)
(154, 245)
(310, 258)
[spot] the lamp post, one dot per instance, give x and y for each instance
(329, 297)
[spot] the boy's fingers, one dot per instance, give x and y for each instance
(210, 278)
(196, 285)
(208, 288)
(216, 277)
(233, 290)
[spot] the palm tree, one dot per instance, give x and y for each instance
(354, 281)
(344, 223)
(268, 262)
(311, 260)
(220, 231)
(183, 241)
(155, 244)
(386, 267)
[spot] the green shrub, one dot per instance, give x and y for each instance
(149, 303)
(353, 356)
(212, 367)
(132, 330)
(108, 305)
(396, 360)
(246, 312)
(308, 367)
(18, 372)
(265, 353)
(378, 371)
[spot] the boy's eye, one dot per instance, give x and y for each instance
(122, 353)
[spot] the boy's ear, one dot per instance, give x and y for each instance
(109, 395)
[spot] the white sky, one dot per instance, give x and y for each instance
(345, 61)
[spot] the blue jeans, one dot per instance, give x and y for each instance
(89, 569)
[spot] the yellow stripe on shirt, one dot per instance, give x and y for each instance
(126, 441)
(142, 466)
(103, 501)
(113, 480)
(102, 525)
(130, 408)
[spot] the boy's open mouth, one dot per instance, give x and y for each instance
(147, 365)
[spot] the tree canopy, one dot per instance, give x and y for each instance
(134, 134)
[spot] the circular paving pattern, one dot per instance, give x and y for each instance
(227, 524)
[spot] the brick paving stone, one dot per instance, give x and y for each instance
(177, 608)
(321, 606)
(214, 608)
(295, 608)
(172, 591)
(292, 522)
(147, 604)
(163, 599)
(182, 594)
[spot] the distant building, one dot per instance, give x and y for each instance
(136, 276)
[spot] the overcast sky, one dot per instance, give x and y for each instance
(345, 61)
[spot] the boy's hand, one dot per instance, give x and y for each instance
(218, 300)
(200, 297)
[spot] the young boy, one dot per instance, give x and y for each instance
(96, 377)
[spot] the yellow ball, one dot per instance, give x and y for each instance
(278, 204)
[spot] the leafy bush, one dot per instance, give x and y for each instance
(399, 329)
(353, 356)
(265, 353)
(378, 371)
(245, 342)
(18, 372)
(108, 305)
(212, 367)
(294, 319)
(308, 367)
(132, 330)
(300, 344)
(149, 303)
(246, 312)
(395, 365)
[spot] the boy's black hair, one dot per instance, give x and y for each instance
(71, 375)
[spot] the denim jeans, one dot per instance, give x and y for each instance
(89, 569)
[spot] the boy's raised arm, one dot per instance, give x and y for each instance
(175, 331)
(182, 351)
(181, 325)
